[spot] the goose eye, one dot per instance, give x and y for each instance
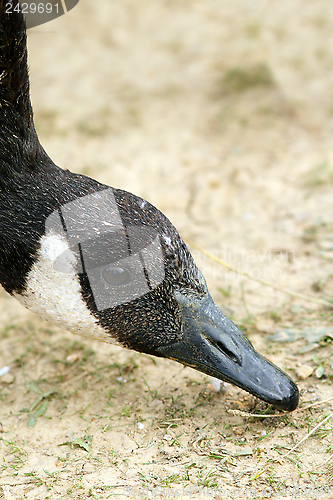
(116, 276)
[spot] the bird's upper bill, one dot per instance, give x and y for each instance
(215, 346)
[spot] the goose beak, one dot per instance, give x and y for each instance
(213, 345)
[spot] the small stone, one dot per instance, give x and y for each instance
(7, 378)
(215, 384)
(225, 387)
(4, 370)
(304, 371)
(72, 358)
(239, 431)
(320, 371)
(326, 245)
(140, 426)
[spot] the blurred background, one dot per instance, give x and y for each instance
(218, 113)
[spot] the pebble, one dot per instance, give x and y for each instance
(72, 358)
(326, 245)
(215, 384)
(239, 431)
(218, 386)
(303, 371)
(320, 371)
(4, 370)
(7, 378)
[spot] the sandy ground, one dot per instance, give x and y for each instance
(221, 114)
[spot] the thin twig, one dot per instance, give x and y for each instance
(257, 415)
(262, 469)
(245, 414)
(308, 435)
(324, 463)
(315, 404)
(322, 302)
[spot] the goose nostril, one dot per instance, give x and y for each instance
(216, 339)
(231, 355)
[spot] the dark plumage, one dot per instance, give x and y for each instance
(173, 316)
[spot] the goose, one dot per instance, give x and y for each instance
(104, 263)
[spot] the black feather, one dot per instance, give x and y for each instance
(17, 134)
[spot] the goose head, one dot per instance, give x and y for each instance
(140, 283)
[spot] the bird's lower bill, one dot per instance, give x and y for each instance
(213, 345)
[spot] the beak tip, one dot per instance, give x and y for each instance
(212, 344)
(290, 402)
(278, 389)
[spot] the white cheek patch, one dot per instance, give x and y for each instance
(56, 296)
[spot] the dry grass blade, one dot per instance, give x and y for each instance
(315, 404)
(240, 413)
(308, 435)
(262, 469)
(258, 280)
(326, 461)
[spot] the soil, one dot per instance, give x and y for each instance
(221, 115)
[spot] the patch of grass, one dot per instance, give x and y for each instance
(147, 480)
(226, 291)
(173, 478)
(39, 407)
(176, 409)
(83, 443)
(168, 424)
(176, 440)
(152, 394)
(275, 316)
(319, 175)
(5, 331)
(207, 479)
(242, 78)
(16, 456)
(127, 411)
(96, 124)
(273, 482)
(265, 436)
(34, 478)
(200, 399)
